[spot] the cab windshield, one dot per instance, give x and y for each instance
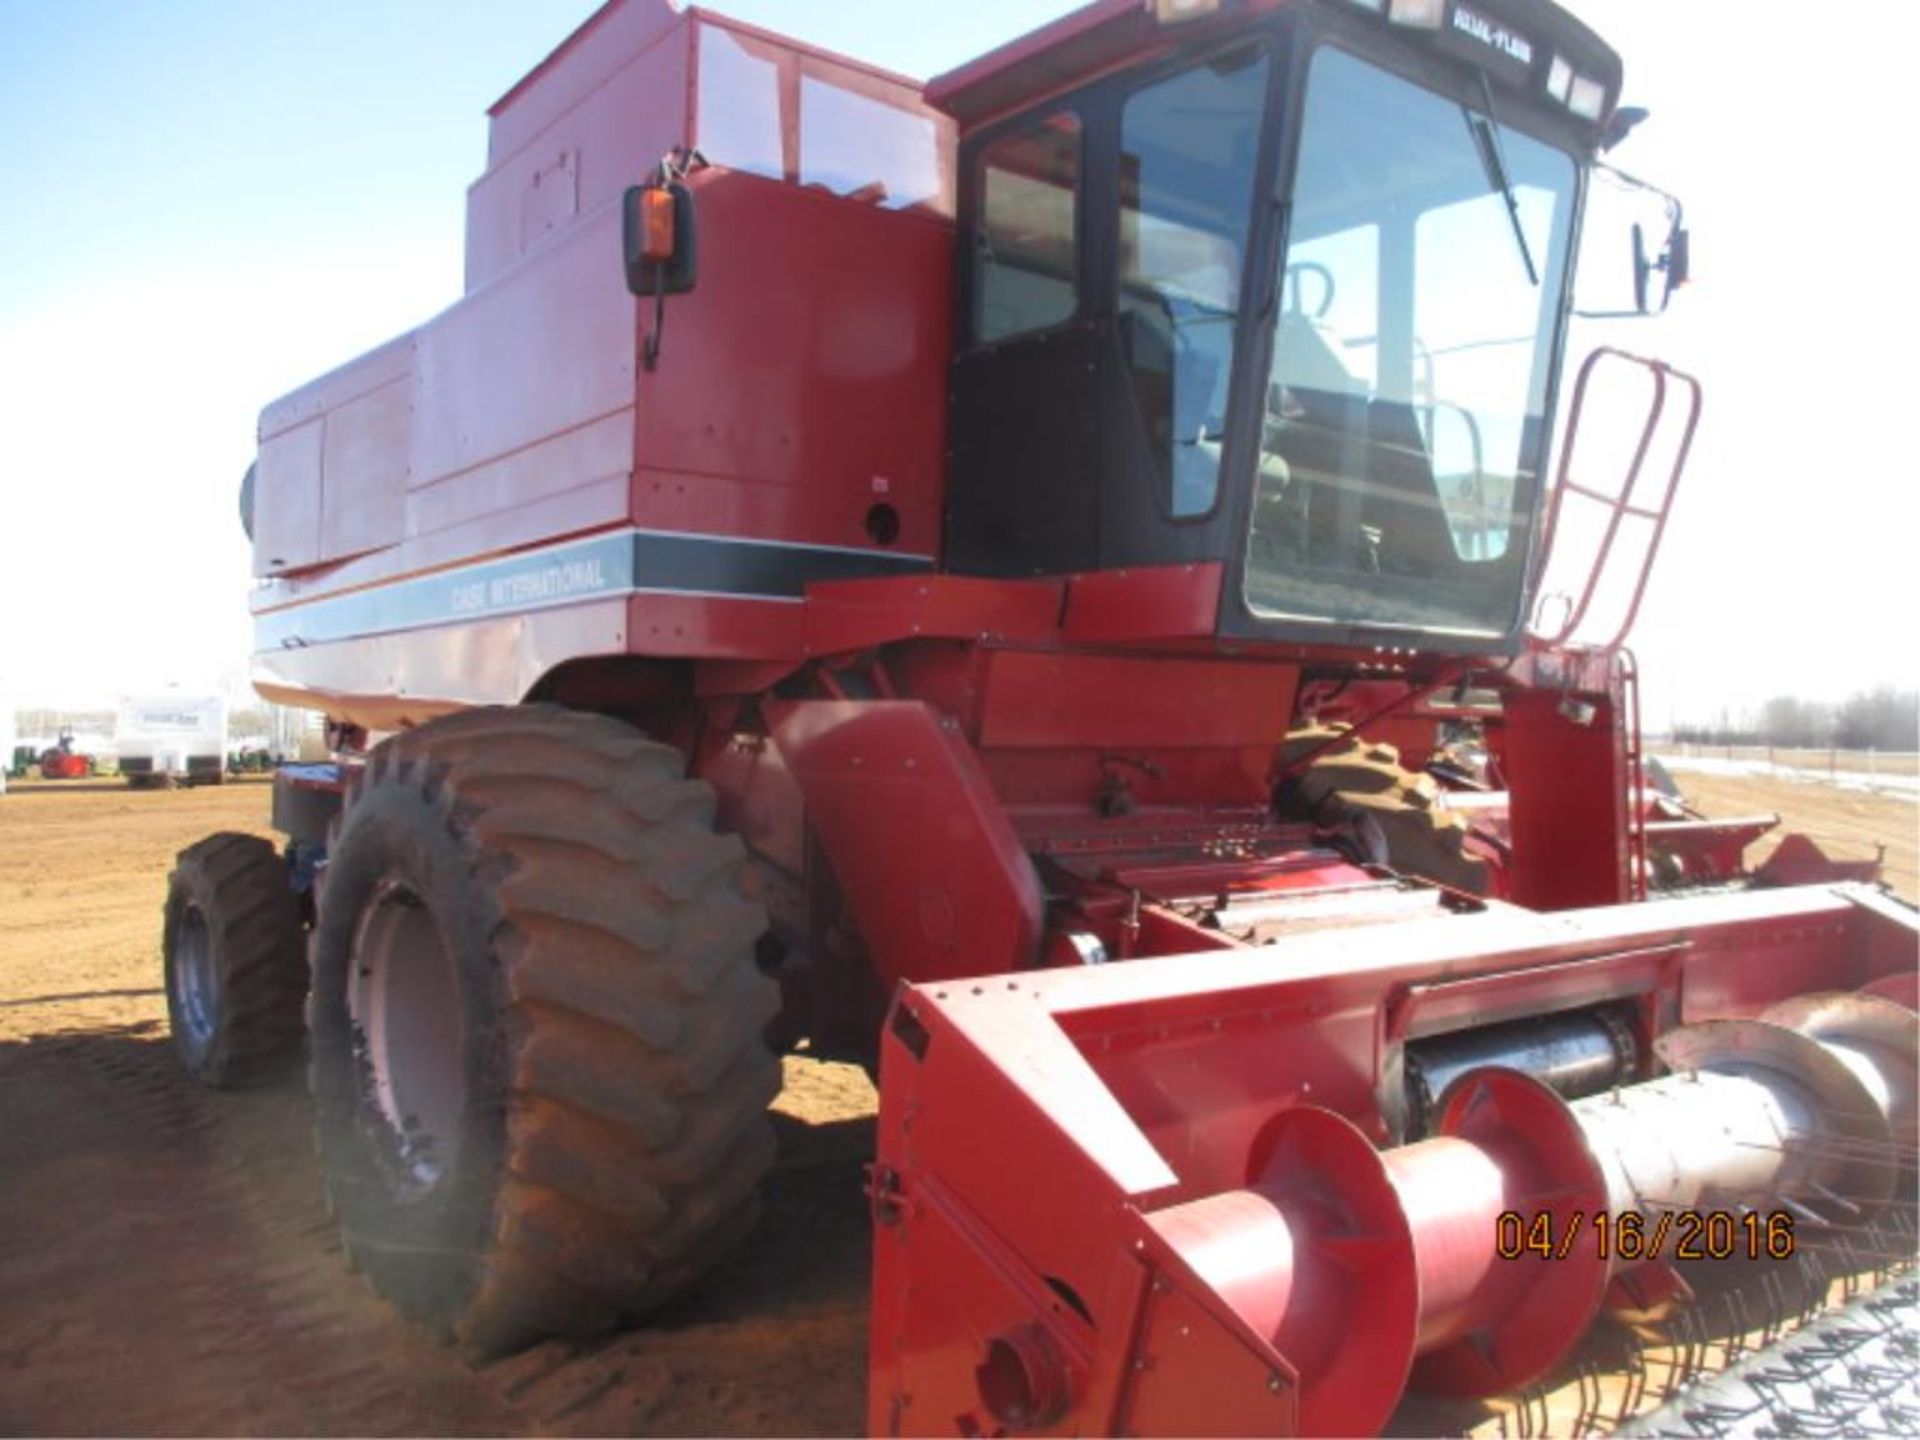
(1405, 412)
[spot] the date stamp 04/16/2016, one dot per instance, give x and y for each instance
(1633, 1236)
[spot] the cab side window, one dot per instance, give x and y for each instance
(1026, 262)
(1186, 169)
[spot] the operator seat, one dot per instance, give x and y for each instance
(1307, 507)
(1306, 356)
(1361, 458)
(1402, 501)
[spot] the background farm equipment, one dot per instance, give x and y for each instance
(168, 740)
(61, 761)
(250, 760)
(1106, 608)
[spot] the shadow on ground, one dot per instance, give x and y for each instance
(170, 1269)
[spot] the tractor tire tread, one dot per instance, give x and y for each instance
(631, 1011)
(239, 884)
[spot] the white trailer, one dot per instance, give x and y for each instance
(172, 739)
(9, 738)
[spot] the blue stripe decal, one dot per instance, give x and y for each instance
(628, 562)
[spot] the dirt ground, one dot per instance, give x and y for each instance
(168, 1265)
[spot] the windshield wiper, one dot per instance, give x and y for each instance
(1493, 158)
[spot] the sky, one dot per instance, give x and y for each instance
(204, 203)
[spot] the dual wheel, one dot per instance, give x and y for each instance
(535, 1019)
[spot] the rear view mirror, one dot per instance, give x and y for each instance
(1617, 202)
(1679, 258)
(1642, 269)
(1672, 264)
(659, 239)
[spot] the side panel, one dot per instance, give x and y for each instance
(545, 350)
(588, 148)
(1044, 699)
(364, 468)
(1568, 783)
(286, 499)
(937, 880)
(1028, 454)
(1126, 607)
(803, 381)
(334, 463)
(384, 682)
(578, 66)
(514, 497)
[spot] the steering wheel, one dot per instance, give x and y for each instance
(1295, 291)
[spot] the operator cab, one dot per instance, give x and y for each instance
(1283, 294)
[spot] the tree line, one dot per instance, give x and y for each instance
(1881, 719)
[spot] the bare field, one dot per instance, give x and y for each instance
(1893, 764)
(170, 1268)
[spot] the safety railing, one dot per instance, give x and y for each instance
(1618, 505)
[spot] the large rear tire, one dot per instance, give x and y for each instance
(540, 1084)
(235, 959)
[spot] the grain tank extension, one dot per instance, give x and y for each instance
(1047, 582)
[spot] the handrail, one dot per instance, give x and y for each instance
(1619, 505)
(1639, 881)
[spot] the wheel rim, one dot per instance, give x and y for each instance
(404, 1000)
(196, 984)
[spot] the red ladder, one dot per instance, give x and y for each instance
(1619, 505)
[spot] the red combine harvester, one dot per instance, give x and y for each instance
(974, 577)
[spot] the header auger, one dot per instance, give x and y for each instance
(1219, 1202)
(1047, 581)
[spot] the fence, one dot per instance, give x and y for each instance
(1874, 769)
